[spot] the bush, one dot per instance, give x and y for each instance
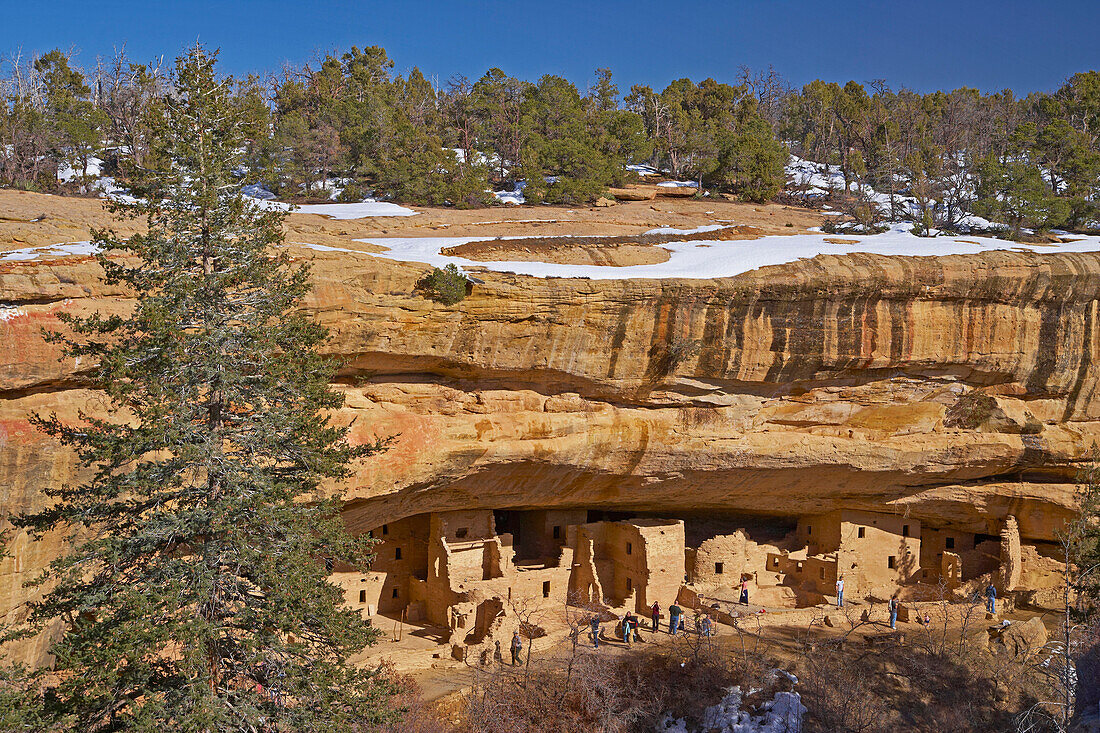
(353, 193)
(448, 286)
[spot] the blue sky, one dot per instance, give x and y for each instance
(922, 44)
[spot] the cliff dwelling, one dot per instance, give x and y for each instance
(470, 574)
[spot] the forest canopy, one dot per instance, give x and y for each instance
(347, 126)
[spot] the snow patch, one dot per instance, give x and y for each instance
(781, 714)
(10, 312)
(50, 250)
(515, 196)
(361, 210)
(713, 259)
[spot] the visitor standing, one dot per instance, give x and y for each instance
(893, 607)
(626, 628)
(991, 599)
(744, 591)
(673, 618)
(840, 592)
(656, 611)
(517, 647)
(595, 624)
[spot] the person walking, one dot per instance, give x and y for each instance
(744, 591)
(840, 592)
(656, 611)
(517, 647)
(705, 630)
(595, 624)
(991, 598)
(673, 619)
(892, 606)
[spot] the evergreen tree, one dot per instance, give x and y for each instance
(1016, 193)
(195, 596)
(77, 123)
(752, 162)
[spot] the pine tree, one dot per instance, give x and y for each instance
(195, 596)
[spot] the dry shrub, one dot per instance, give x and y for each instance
(414, 715)
(601, 692)
(903, 688)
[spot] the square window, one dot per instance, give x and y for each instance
(546, 589)
(461, 532)
(362, 596)
(718, 568)
(629, 548)
(891, 562)
(395, 593)
(557, 533)
(949, 543)
(862, 532)
(397, 553)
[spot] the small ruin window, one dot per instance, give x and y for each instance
(362, 596)
(629, 548)
(546, 589)
(775, 562)
(461, 532)
(809, 529)
(385, 529)
(397, 553)
(905, 530)
(862, 532)
(821, 572)
(557, 533)
(395, 594)
(949, 543)
(891, 562)
(717, 568)
(799, 567)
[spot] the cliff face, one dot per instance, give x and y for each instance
(958, 390)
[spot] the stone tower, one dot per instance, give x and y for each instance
(1011, 560)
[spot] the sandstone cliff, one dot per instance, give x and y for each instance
(958, 390)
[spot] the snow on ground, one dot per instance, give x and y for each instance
(679, 184)
(67, 173)
(49, 250)
(10, 312)
(710, 259)
(692, 260)
(361, 210)
(781, 714)
(515, 196)
(643, 170)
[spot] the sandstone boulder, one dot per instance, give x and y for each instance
(1026, 637)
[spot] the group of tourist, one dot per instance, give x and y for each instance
(631, 624)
